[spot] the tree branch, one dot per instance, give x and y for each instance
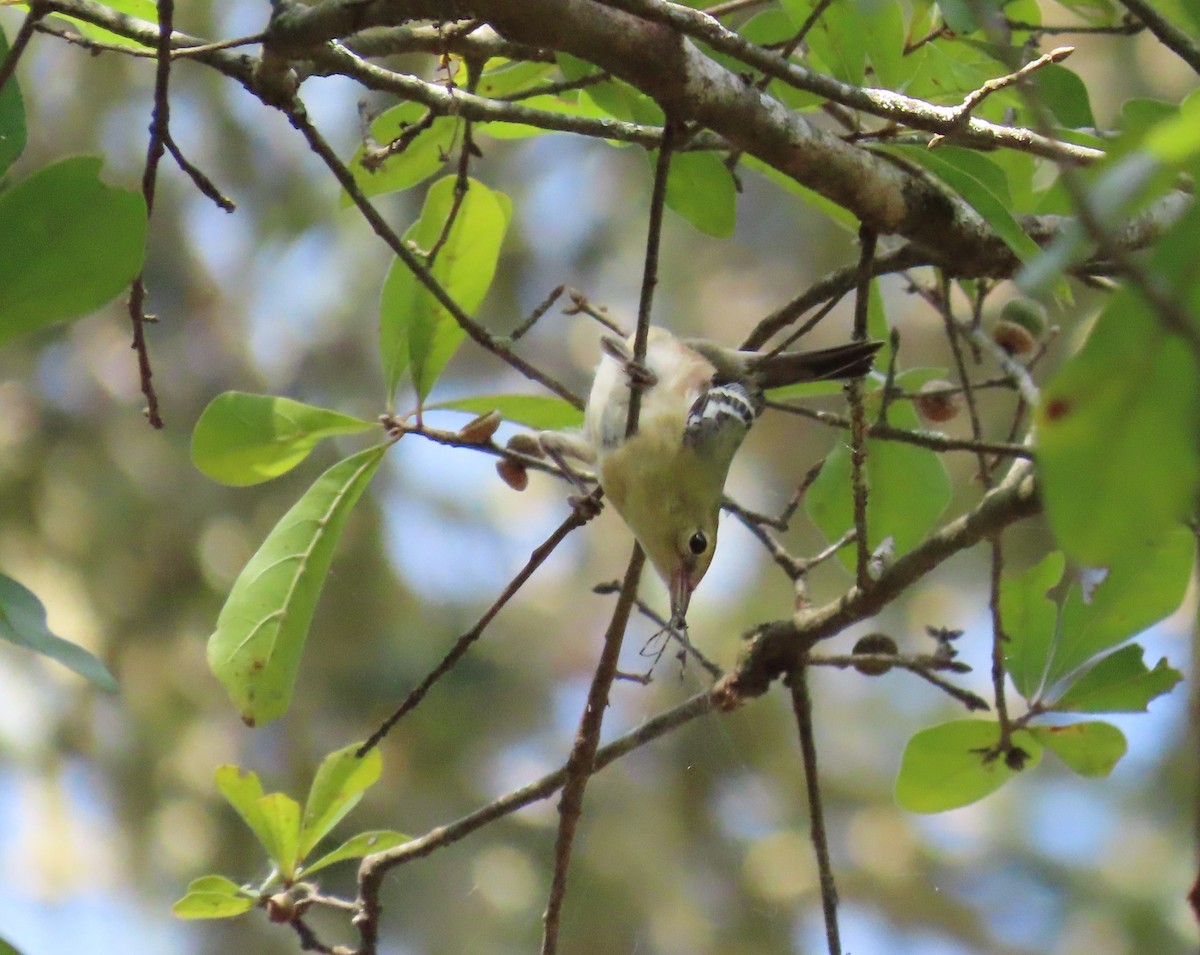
(776, 647)
(1169, 35)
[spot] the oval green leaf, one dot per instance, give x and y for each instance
(341, 780)
(255, 651)
(1089, 749)
(244, 439)
(424, 155)
(212, 897)
(361, 845)
(280, 814)
(415, 331)
(68, 244)
(242, 790)
(947, 766)
(23, 622)
(701, 189)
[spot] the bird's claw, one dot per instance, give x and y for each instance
(637, 373)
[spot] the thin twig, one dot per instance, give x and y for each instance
(203, 48)
(924, 666)
(972, 100)
(802, 707)
(999, 639)
(581, 306)
(206, 186)
(787, 48)
(20, 41)
(805, 327)
(1168, 34)
(374, 156)
(462, 181)
(576, 519)
(298, 117)
(933, 440)
(554, 89)
(733, 6)
(792, 566)
(1127, 27)
(374, 867)
(159, 133)
(834, 285)
(858, 417)
(587, 740)
(546, 304)
(774, 648)
(658, 201)
(582, 761)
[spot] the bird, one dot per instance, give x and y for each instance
(698, 402)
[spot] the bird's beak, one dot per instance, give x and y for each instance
(681, 586)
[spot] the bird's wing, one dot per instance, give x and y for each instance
(720, 418)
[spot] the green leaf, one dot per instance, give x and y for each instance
(415, 329)
(907, 488)
(361, 845)
(1089, 749)
(504, 77)
(835, 39)
(12, 116)
(420, 159)
(948, 71)
(883, 36)
(959, 15)
(68, 244)
(1030, 619)
(613, 97)
(1116, 435)
(244, 439)
(945, 767)
(243, 791)
(541, 412)
(1120, 683)
(701, 189)
(255, 651)
(1065, 94)
(974, 177)
(23, 622)
(835, 213)
(212, 897)
(566, 104)
(1140, 587)
(281, 820)
(1176, 140)
(146, 10)
(337, 788)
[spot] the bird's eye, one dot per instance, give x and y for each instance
(698, 543)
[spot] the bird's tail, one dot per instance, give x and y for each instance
(842, 361)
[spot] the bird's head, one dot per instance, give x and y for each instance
(681, 554)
